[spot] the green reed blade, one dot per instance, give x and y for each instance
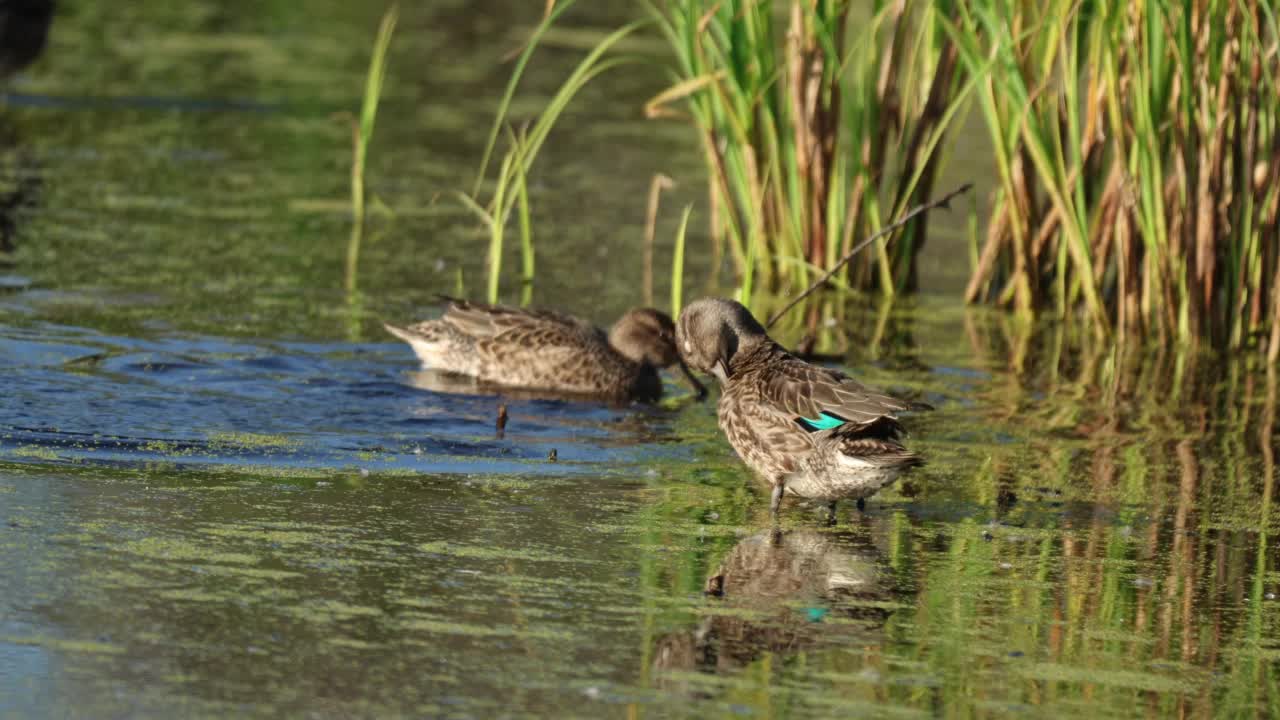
(677, 262)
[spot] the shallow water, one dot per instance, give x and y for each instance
(224, 491)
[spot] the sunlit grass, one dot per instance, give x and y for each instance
(677, 263)
(1138, 155)
(510, 186)
(362, 134)
(818, 125)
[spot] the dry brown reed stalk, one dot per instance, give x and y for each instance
(816, 124)
(1137, 148)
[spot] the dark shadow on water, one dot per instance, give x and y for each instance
(20, 185)
(24, 29)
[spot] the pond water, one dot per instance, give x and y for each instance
(225, 491)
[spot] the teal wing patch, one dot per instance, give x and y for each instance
(825, 421)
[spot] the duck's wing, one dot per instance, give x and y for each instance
(818, 398)
(533, 348)
(482, 320)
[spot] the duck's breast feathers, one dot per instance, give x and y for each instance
(821, 399)
(762, 434)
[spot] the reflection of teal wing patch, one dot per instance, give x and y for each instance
(816, 614)
(824, 421)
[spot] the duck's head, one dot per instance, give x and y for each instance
(648, 336)
(712, 330)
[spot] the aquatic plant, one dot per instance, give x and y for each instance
(817, 125)
(510, 186)
(1138, 149)
(362, 134)
(677, 263)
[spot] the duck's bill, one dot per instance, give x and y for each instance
(694, 384)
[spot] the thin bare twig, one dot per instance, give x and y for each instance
(943, 202)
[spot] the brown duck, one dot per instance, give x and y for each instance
(808, 430)
(550, 351)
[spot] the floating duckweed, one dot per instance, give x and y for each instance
(192, 595)
(180, 550)
(35, 452)
(162, 447)
(285, 537)
(250, 440)
(331, 610)
(442, 627)
(255, 573)
(352, 643)
(71, 646)
(443, 547)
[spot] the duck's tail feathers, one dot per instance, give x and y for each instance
(428, 340)
(870, 452)
(885, 427)
(400, 332)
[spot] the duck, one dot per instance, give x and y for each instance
(809, 431)
(546, 350)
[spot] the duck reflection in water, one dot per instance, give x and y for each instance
(782, 592)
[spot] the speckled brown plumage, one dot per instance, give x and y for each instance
(546, 350)
(778, 411)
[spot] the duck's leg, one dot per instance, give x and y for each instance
(862, 504)
(831, 513)
(776, 501)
